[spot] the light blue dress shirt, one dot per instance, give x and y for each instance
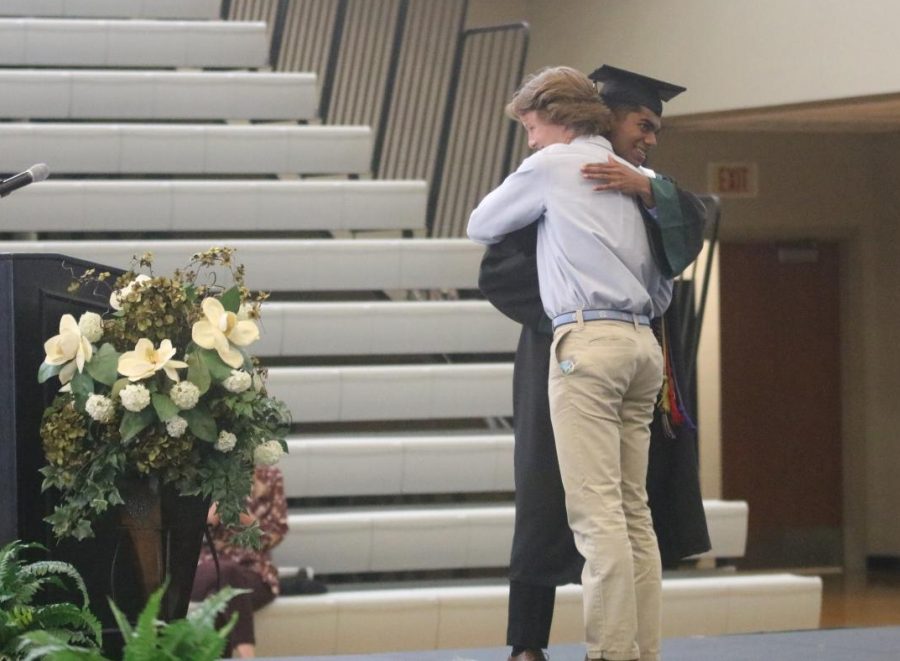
(592, 248)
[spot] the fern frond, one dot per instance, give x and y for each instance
(210, 607)
(70, 617)
(56, 568)
(121, 621)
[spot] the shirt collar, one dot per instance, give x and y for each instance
(598, 140)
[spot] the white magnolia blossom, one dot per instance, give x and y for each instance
(91, 326)
(135, 397)
(176, 426)
(185, 395)
(223, 331)
(118, 297)
(146, 360)
(101, 408)
(238, 382)
(69, 349)
(226, 441)
(268, 453)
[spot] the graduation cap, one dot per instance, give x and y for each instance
(625, 88)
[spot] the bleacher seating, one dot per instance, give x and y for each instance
(61, 94)
(299, 264)
(183, 9)
(403, 538)
(354, 340)
(188, 148)
(46, 42)
(215, 206)
(361, 621)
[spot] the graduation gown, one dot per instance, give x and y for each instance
(543, 549)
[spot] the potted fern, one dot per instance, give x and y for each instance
(23, 616)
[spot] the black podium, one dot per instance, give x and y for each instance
(33, 297)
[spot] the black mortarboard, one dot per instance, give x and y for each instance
(624, 88)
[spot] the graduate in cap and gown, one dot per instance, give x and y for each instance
(543, 552)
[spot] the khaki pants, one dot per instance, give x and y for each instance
(604, 380)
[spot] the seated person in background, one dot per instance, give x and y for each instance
(246, 568)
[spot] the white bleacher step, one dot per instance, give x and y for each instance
(395, 540)
(381, 465)
(299, 265)
(447, 537)
(70, 42)
(156, 95)
(372, 621)
(367, 328)
(185, 148)
(146, 205)
(183, 9)
(394, 392)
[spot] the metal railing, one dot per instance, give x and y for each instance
(432, 93)
(477, 139)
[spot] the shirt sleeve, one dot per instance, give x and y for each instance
(517, 202)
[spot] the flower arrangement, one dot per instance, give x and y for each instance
(163, 387)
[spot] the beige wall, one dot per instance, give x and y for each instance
(759, 53)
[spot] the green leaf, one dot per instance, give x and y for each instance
(117, 387)
(201, 424)
(121, 620)
(82, 384)
(165, 407)
(198, 372)
(104, 365)
(48, 371)
(216, 366)
(133, 423)
(231, 299)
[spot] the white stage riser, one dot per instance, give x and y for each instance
(71, 42)
(404, 392)
(186, 148)
(156, 95)
(355, 328)
(215, 206)
(453, 618)
(183, 9)
(454, 537)
(300, 265)
(363, 465)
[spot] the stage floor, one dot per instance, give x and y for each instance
(876, 644)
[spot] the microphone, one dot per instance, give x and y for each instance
(35, 173)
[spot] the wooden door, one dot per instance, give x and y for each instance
(781, 419)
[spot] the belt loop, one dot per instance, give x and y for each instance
(579, 318)
(634, 319)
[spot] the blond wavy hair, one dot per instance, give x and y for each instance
(563, 96)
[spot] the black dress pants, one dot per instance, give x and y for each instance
(530, 615)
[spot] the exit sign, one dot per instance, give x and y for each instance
(732, 179)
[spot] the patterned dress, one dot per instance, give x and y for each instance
(268, 506)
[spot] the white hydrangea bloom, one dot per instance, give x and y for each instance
(238, 382)
(176, 426)
(226, 441)
(101, 408)
(91, 326)
(268, 453)
(185, 395)
(135, 397)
